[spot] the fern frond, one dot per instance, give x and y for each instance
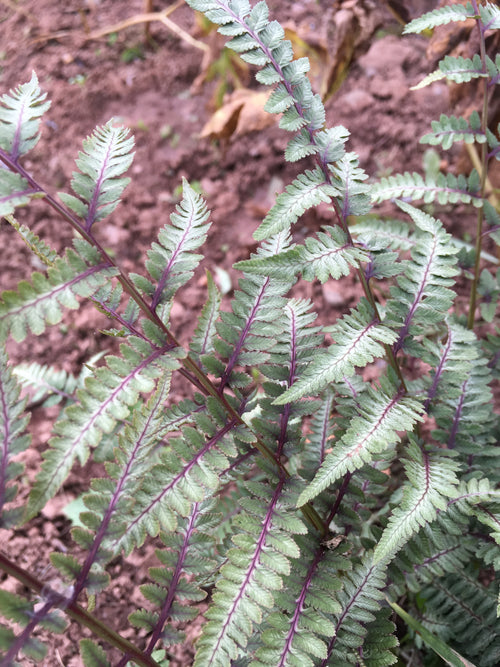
(431, 480)
(280, 427)
(465, 417)
(106, 400)
(451, 361)
(46, 383)
(467, 609)
(430, 554)
(297, 633)
(42, 250)
(189, 470)
(248, 332)
(348, 178)
(330, 254)
(319, 438)
(14, 191)
(20, 113)
(171, 262)
(422, 294)
(457, 69)
(254, 570)
(203, 338)
(113, 497)
(307, 190)
(23, 612)
(33, 306)
(382, 414)
(14, 440)
(440, 16)
(450, 129)
(446, 188)
(106, 156)
(360, 599)
(185, 557)
(375, 234)
(490, 16)
(358, 340)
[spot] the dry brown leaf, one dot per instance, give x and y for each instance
(243, 112)
(352, 26)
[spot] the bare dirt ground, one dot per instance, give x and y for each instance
(158, 85)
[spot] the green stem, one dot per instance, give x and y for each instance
(483, 177)
(78, 614)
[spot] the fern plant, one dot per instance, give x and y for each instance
(304, 502)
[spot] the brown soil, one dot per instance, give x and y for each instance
(149, 85)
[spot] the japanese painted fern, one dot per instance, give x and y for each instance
(303, 498)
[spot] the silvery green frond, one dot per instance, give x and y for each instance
(431, 481)
(450, 129)
(106, 155)
(14, 191)
(42, 250)
(109, 392)
(46, 384)
(361, 600)
(423, 292)
(40, 303)
(249, 331)
(307, 190)
(328, 255)
(444, 189)
(14, 439)
(187, 560)
(440, 16)
(298, 631)
(20, 114)
(387, 234)
(203, 337)
(358, 339)
(383, 414)
(264, 545)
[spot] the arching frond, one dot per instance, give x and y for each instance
(450, 129)
(423, 293)
(106, 400)
(171, 261)
(253, 572)
(307, 190)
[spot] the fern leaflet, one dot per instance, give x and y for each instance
(14, 440)
(383, 414)
(431, 480)
(20, 114)
(106, 156)
(33, 306)
(358, 340)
